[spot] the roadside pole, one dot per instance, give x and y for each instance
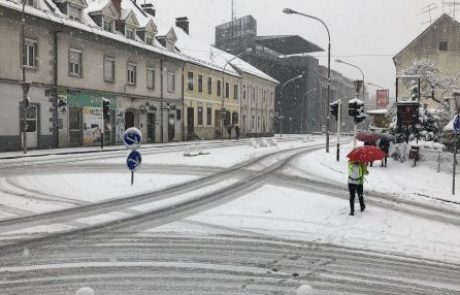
(338, 128)
(102, 124)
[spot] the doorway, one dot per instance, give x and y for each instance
(190, 122)
(129, 119)
(151, 127)
(32, 126)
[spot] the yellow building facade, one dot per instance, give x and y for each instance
(208, 93)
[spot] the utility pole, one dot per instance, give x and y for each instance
(452, 4)
(339, 117)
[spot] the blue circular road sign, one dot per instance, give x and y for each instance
(132, 138)
(134, 160)
(457, 124)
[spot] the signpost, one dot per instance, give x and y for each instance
(133, 140)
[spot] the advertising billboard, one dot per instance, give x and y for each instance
(382, 97)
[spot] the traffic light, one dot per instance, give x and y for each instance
(106, 108)
(361, 115)
(352, 108)
(334, 109)
(356, 110)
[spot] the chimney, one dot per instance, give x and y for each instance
(182, 22)
(117, 5)
(148, 7)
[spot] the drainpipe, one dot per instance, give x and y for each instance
(162, 99)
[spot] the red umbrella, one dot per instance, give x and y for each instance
(367, 136)
(367, 153)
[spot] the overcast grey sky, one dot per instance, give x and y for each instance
(363, 32)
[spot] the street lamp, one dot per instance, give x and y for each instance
(375, 85)
(352, 65)
(281, 117)
(222, 88)
(328, 118)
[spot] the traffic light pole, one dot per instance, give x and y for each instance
(102, 125)
(339, 111)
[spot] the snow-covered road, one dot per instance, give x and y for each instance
(238, 221)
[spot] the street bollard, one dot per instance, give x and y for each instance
(439, 162)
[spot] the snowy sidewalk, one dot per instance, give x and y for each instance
(421, 183)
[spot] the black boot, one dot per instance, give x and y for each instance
(361, 203)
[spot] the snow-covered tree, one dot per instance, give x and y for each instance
(429, 80)
(431, 121)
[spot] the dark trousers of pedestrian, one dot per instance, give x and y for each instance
(356, 188)
(384, 161)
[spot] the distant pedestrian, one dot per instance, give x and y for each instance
(356, 173)
(229, 130)
(237, 132)
(370, 143)
(384, 145)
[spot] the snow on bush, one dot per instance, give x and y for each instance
(304, 290)
(85, 291)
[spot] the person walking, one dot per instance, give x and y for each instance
(356, 173)
(229, 130)
(384, 145)
(371, 143)
(237, 132)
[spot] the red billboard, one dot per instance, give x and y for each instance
(382, 96)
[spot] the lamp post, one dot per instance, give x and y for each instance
(328, 118)
(352, 65)
(222, 88)
(456, 96)
(375, 85)
(281, 116)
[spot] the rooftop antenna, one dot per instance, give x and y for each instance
(452, 4)
(427, 10)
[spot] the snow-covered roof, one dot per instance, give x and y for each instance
(377, 112)
(356, 100)
(191, 49)
(87, 25)
(97, 6)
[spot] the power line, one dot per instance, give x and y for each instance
(452, 4)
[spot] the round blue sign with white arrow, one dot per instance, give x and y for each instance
(457, 124)
(132, 138)
(134, 160)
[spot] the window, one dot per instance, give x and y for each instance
(209, 85)
(74, 13)
(200, 115)
(32, 3)
(149, 38)
(219, 88)
(253, 122)
(129, 33)
(108, 25)
(131, 74)
(109, 69)
(190, 81)
(244, 91)
(235, 91)
(200, 83)
(171, 82)
(151, 78)
(30, 53)
(227, 90)
(209, 116)
(253, 94)
(443, 46)
(75, 62)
